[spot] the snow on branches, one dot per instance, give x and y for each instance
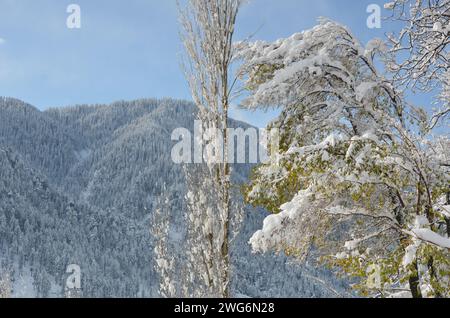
(420, 56)
(164, 263)
(353, 176)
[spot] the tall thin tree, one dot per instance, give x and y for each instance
(207, 34)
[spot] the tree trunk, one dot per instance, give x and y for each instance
(447, 220)
(226, 194)
(433, 275)
(414, 283)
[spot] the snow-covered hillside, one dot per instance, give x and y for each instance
(78, 185)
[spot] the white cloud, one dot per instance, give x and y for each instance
(2, 41)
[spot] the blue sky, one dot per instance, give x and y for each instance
(130, 49)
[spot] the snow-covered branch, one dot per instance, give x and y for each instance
(420, 55)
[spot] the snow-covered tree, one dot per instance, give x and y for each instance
(5, 285)
(207, 34)
(355, 184)
(164, 261)
(420, 53)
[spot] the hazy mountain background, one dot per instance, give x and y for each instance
(78, 185)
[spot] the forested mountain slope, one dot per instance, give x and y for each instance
(78, 185)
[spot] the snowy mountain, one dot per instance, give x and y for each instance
(78, 185)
